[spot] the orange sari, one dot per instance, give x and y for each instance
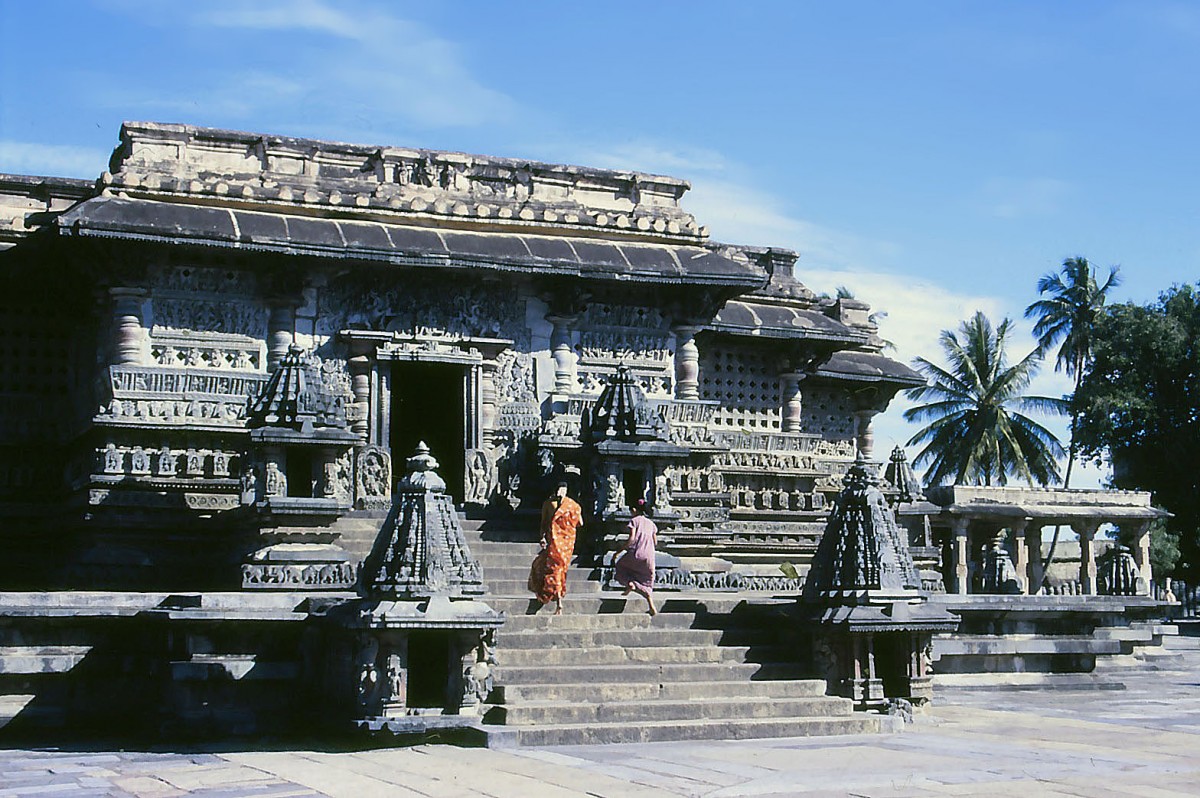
(548, 575)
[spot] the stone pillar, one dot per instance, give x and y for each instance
(1033, 547)
(1021, 555)
(864, 433)
(130, 343)
(960, 555)
(487, 401)
(561, 351)
(687, 362)
(793, 404)
(360, 386)
(1141, 558)
(281, 327)
(1087, 554)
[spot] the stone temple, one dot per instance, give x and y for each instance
(278, 415)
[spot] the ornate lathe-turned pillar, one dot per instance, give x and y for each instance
(281, 330)
(131, 344)
(1086, 529)
(687, 361)
(793, 402)
(565, 380)
(1020, 546)
(360, 365)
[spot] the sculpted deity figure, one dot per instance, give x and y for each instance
(249, 485)
(166, 462)
(113, 459)
(395, 680)
(481, 477)
(139, 461)
(276, 483)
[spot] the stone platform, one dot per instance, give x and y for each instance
(1139, 742)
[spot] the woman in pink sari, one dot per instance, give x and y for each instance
(635, 563)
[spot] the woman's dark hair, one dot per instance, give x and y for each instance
(640, 506)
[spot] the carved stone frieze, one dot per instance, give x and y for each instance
(202, 350)
(424, 309)
(333, 576)
(611, 347)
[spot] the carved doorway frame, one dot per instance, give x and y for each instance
(477, 355)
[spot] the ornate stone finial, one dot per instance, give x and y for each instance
(863, 554)
(622, 411)
(422, 475)
(900, 475)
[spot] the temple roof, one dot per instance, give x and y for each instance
(308, 176)
(1044, 504)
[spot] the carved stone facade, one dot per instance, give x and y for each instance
(480, 304)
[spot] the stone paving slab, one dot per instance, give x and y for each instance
(1140, 742)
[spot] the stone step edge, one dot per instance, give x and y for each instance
(853, 720)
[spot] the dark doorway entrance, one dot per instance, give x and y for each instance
(428, 404)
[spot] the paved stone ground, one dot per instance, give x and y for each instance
(1142, 741)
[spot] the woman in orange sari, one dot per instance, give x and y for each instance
(561, 517)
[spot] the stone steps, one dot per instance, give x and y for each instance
(705, 729)
(548, 712)
(605, 671)
(577, 640)
(594, 656)
(647, 672)
(671, 691)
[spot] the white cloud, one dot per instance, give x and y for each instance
(361, 73)
(58, 160)
(1014, 198)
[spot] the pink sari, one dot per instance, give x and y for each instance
(635, 568)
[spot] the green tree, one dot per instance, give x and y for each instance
(1072, 302)
(1139, 404)
(978, 432)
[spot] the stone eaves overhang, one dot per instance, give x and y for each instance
(403, 245)
(742, 318)
(869, 367)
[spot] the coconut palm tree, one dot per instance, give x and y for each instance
(978, 432)
(1073, 300)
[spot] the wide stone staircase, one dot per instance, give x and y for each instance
(605, 671)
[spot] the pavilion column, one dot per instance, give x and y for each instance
(1087, 554)
(960, 555)
(281, 329)
(687, 362)
(792, 401)
(1033, 548)
(360, 386)
(561, 351)
(1021, 554)
(130, 342)
(1141, 558)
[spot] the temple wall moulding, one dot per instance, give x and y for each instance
(178, 396)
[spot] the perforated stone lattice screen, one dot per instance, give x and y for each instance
(745, 383)
(827, 413)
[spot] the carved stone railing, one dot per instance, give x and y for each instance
(165, 395)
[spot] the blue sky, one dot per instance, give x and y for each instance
(936, 157)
